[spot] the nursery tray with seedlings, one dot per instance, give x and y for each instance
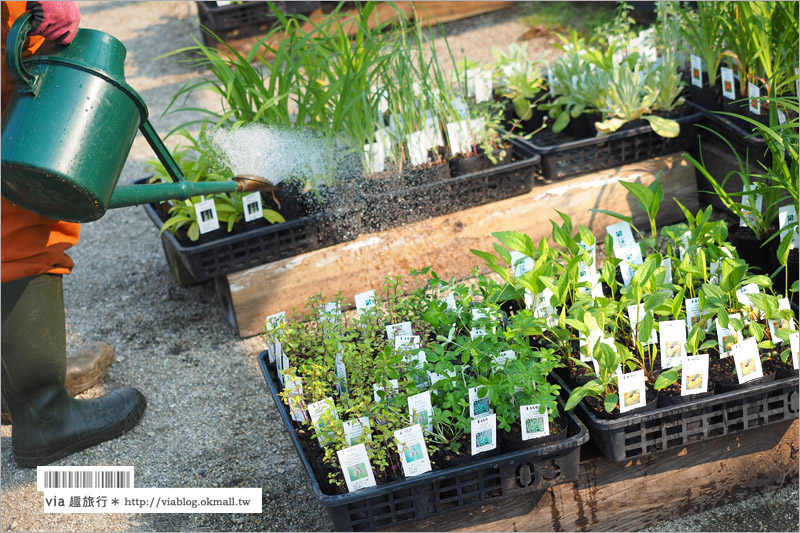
(237, 20)
(718, 415)
(400, 205)
(529, 471)
(564, 155)
(197, 262)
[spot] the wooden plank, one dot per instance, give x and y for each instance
(642, 493)
(429, 12)
(444, 242)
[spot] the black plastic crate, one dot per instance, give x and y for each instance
(452, 489)
(245, 19)
(736, 132)
(707, 418)
(199, 263)
(412, 204)
(563, 156)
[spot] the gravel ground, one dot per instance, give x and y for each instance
(209, 421)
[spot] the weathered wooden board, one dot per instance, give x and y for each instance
(641, 493)
(445, 242)
(428, 12)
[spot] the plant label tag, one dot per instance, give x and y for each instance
(594, 336)
(322, 414)
(542, 307)
(502, 358)
(406, 343)
(330, 311)
(693, 312)
(632, 392)
(353, 429)
(781, 117)
(281, 361)
(412, 450)
(635, 314)
(521, 263)
(450, 300)
(747, 360)
(377, 389)
(252, 206)
(417, 149)
(550, 85)
(462, 111)
(375, 156)
(787, 215)
(401, 329)
(574, 81)
(673, 339)
(742, 294)
(385, 139)
(780, 323)
(420, 409)
(697, 71)
(753, 93)
(478, 406)
(365, 301)
(356, 467)
(294, 386)
(621, 235)
(727, 338)
(206, 212)
(418, 375)
(340, 370)
(433, 131)
(666, 262)
(694, 374)
(728, 87)
(434, 377)
(755, 206)
(270, 323)
(482, 83)
(459, 137)
(534, 424)
(631, 256)
(794, 343)
(483, 433)
(477, 315)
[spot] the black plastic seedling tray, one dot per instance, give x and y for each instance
(747, 145)
(244, 19)
(443, 491)
(718, 415)
(564, 156)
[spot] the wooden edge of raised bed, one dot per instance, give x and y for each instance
(644, 492)
(444, 242)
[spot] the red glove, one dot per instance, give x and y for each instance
(55, 21)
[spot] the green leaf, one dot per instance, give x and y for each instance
(665, 127)
(610, 125)
(610, 402)
(561, 122)
(503, 253)
(666, 378)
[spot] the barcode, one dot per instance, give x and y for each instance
(91, 477)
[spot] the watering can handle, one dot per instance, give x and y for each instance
(161, 151)
(15, 43)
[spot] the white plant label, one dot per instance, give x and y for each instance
(749, 216)
(585, 271)
(252, 206)
(356, 467)
(726, 338)
(433, 133)
(270, 323)
(385, 139)
(697, 71)
(458, 135)
(340, 370)
(521, 263)
(461, 108)
(574, 81)
(667, 264)
(631, 257)
(632, 391)
(542, 307)
(413, 452)
(375, 155)
(417, 149)
(794, 343)
(295, 390)
(502, 358)
(418, 360)
(742, 294)
(206, 212)
(483, 433)
(395, 387)
(747, 360)
(450, 300)
(318, 411)
(420, 410)
(728, 83)
(621, 235)
(673, 339)
(406, 342)
(550, 85)
(694, 374)
(331, 311)
(281, 363)
(781, 323)
(534, 424)
(753, 92)
(635, 314)
(788, 215)
(365, 301)
(478, 406)
(594, 336)
(781, 117)
(481, 84)
(693, 312)
(401, 329)
(353, 429)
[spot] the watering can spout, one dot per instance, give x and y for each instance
(183, 190)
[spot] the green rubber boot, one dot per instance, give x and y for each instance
(48, 423)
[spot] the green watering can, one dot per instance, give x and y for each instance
(70, 125)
